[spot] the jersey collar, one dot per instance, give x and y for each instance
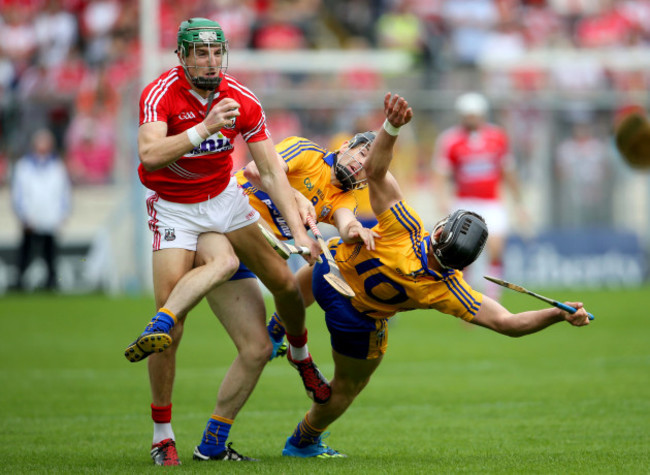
(424, 247)
(329, 158)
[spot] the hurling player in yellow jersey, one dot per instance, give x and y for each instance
(327, 185)
(408, 269)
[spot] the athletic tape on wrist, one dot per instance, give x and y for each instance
(390, 128)
(194, 136)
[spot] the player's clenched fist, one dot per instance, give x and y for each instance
(222, 114)
(579, 318)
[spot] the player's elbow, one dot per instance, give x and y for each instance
(149, 161)
(506, 325)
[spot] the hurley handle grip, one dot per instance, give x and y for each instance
(570, 309)
(314, 228)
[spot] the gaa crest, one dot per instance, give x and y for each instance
(170, 234)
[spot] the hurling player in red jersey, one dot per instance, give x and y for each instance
(203, 227)
(475, 156)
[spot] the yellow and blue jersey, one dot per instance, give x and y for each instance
(310, 172)
(395, 276)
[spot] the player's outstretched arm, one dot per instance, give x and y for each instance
(494, 316)
(305, 207)
(383, 188)
(252, 173)
(276, 184)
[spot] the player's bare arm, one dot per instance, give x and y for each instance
(305, 207)
(156, 150)
(275, 182)
(494, 316)
(383, 188)
(252, 174)
(351, 230)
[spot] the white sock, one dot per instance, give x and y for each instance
(299, 354)
(162, 431)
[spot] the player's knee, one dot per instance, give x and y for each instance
(258, 353)
(224, 268)
(283, 283)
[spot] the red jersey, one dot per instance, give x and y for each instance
(475, 159)
(204, 172)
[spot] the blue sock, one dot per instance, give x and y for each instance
(305, 434)
(162, 322)
(275, 327)
(215, 436)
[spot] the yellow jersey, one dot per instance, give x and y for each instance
(310, 172)
(395, 276)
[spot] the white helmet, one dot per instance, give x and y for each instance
(472, 103)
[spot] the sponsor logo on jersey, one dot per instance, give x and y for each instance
(308, 184)
(170, 234)
(214, 144)
(186, 115)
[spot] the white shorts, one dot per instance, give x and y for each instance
(178, 225)
(494, 213)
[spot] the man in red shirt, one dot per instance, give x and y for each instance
(201, 223)
(475, 156)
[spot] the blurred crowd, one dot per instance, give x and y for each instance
(65, 64)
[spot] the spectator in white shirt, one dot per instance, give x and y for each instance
(40, 192)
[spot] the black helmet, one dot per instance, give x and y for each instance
(462, 240)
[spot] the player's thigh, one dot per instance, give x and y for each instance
(214, 248)
(256, 254)
(169, 266)
(239, 306)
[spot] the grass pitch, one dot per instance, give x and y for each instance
(449, 397)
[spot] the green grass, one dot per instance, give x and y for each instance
(448, 397)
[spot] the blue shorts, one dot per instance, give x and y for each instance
(243, 273)
(352, 333)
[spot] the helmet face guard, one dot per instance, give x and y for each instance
(204, 40)
(461, 241)
(348, 167)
